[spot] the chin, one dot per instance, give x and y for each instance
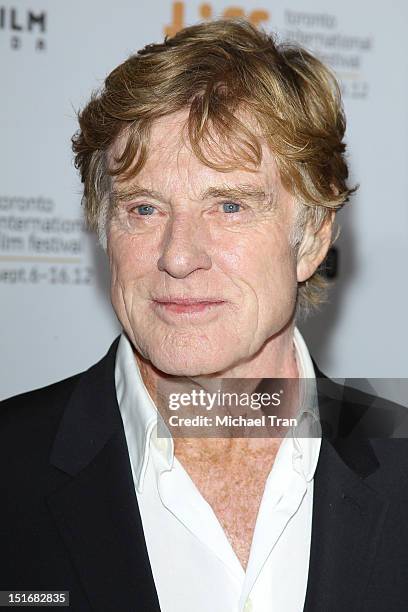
(188, 364)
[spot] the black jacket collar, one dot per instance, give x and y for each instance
(97, 511)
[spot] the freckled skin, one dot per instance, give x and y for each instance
(191, 247)
(233, 487)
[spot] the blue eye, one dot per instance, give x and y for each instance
(229, 207)
(144, 209)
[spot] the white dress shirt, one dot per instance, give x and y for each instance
(194, 565)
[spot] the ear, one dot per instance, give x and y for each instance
(313, 248)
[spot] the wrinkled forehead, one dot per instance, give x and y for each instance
(171, 159)
(169, 131)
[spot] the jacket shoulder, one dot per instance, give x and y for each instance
(47, 401)
(366, 430)
(30, 418)
(28, 424)
(38, 403)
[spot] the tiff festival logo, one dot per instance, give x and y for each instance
(205, 11)
(24, 27)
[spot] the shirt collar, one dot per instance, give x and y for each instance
(140, 415)
(307, 433)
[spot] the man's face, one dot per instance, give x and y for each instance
(194, 232)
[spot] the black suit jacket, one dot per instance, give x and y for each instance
(69, 518)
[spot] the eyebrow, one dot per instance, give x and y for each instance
(244, 191)
(247, 192)
(136, 191)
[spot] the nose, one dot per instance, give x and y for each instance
(185, 246)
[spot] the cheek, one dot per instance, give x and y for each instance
(277, 290)
(129, 265)
(263, 263)
(130, 257)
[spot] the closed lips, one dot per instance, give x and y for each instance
(187, 301)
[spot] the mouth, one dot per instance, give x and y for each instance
(187, 305)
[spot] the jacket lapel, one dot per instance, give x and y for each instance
(348, 515)
(97, 511)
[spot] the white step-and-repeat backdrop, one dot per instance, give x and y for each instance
(56, 318)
